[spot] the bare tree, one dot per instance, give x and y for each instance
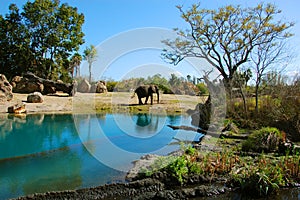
(263, 57)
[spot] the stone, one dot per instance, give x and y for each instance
(30, 83)
(35, 97)
(5, 89)
(101, 87)
(17, 109)
(84, 86)
(26, 85)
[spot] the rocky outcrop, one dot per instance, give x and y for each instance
(26, 85)
(201, 115)
(5, 89)
(30, 83)
(35, 97)
(84, 86)
(99, 87)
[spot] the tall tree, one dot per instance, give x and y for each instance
(90, 55)
(15, 52)
(225, 37)
(55, 32)
(39, 39)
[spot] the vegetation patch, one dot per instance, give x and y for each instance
(258, 176)
(264, 140)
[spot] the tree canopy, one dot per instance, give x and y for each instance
(40, 39)
(225, 37)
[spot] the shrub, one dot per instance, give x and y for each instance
(263, 140)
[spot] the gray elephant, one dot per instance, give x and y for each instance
(146, 91)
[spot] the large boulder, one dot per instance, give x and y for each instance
(35, 97)
(99, 87)
(26, 85)
(5, 89)
(84, 86)
(30, 83)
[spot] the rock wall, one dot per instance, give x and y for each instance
(5, 89)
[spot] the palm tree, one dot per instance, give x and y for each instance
(90, 55)
(75, 63)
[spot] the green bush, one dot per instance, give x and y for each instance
(266, 139)
(110, 85)
(202, 88)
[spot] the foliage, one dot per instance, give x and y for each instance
(225, 37)
(202, 88)
(278, 105)
(39, 39)
(266, 139)
(173, 85)
(260, 175)
(110, 85)
(90, 55)
(264, 175)
(75, 64)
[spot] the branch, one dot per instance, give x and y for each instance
(205, 132)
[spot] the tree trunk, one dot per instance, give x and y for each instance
(90, 71)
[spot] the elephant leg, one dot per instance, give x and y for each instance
(151, 98)
(140, 101)
(146, 101)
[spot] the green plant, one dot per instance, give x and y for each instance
(266, 139)
(178, 168)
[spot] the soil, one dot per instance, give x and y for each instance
(105, 102)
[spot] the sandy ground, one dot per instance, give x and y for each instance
(111, 101)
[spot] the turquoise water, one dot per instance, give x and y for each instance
(40, 153)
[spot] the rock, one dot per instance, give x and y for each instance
(201, 115)
(26, 85)
(5, 89)
(17, 109)
(84, 86)
(100, 87)
(35, 97)
(30, 83)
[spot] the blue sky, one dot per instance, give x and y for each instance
(109, 19)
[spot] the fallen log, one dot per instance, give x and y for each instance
(205, 132)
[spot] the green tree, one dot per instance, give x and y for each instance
(15, 54)
(75, 64)
(90, 55)
(39, 39)
(55, 32)
(225, 37)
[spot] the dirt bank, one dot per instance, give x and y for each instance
(107, 102)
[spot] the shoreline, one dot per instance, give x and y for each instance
(110, 102)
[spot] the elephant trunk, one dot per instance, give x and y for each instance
(157, 96)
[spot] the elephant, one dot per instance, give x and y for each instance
(146, 91)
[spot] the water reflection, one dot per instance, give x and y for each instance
(40, 153)
(146, 123)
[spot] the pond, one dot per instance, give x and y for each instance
(50, 152)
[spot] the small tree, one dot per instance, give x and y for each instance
(75, 64)
(263, 57)
(90, 55)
